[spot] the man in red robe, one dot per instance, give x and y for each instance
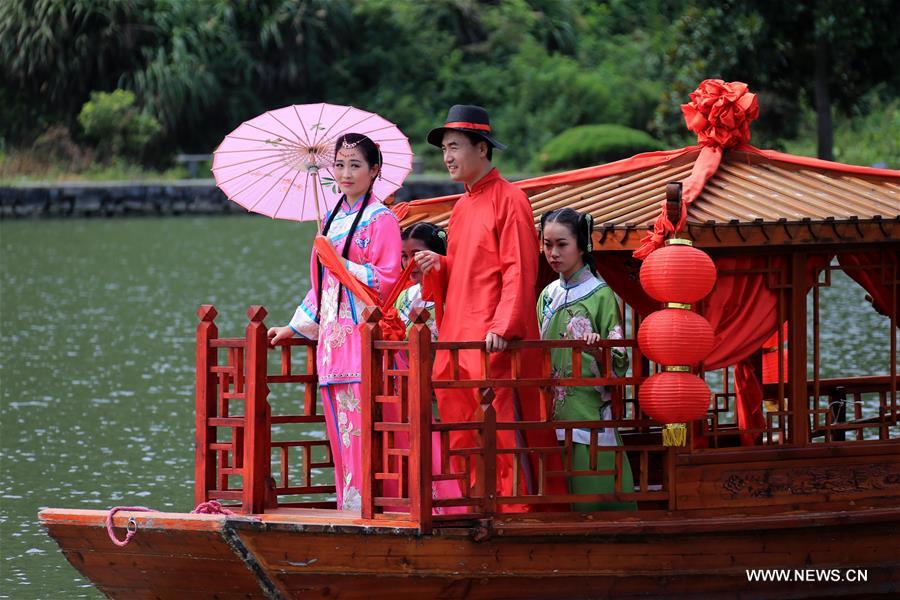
(486, 284)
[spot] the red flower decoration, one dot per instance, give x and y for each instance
(720, 113)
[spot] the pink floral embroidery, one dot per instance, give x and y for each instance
(578, 327)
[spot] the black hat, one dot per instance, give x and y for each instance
(465, 117)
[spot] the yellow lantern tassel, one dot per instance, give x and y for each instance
(674, 434)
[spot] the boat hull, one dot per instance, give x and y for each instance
(303, 556)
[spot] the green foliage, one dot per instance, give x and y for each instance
(589, 145)
(116, 126)
(539, 66)
(771, 45)
(871, 136)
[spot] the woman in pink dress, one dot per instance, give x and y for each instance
(367, 236)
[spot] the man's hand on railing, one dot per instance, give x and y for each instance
(278, 334)
(495, 343)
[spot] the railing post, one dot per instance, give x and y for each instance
(257, 425)
(371, 380)
(419, 398)
(205, 405)
(489, 460)
(797, 349)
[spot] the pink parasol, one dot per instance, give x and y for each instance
(279, 164)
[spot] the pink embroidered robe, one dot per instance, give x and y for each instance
(374, 258)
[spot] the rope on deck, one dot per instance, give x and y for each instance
(212, 507)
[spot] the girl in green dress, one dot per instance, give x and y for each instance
(580, 306)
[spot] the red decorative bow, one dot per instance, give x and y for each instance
(720, 114)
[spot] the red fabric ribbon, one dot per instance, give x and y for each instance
(392, 326)
(400, 210)
(720, 114)
(468, 125)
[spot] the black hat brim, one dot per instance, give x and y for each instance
(436, 136)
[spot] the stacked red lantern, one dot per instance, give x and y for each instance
(675, 337)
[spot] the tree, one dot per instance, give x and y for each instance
(825, 52)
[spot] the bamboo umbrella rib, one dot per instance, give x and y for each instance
(302, 125)
(350, 128)
(267, 149)
(318, 124)
(266, 142)
(243, 173)
(390, 164)
(249, 124)
(291, 131)
(336, 121)
(281, 157)
(286, 192)
(377, 129)
(305, 191)
(392, 182)
(262, 196)
(883, 194)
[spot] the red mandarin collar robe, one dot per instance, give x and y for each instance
(487, 284)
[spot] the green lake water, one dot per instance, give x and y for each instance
(97, 363)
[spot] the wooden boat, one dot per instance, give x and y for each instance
(813, 495)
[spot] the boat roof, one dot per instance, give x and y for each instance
(756, 197)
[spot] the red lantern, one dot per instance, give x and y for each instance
(674, 397)
(675, 336)
(678, 273)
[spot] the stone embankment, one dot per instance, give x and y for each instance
(185, 197)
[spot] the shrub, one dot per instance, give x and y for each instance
(589, 145)
(116, 126)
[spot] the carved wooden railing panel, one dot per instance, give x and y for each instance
(234, 446)
(400, 456)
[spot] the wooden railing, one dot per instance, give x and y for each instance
(401, 445)
(234, 420)
(238, 461)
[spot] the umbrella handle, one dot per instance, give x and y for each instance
(315, 175)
